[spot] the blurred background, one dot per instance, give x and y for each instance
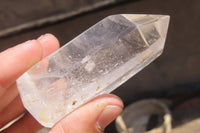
(173, 78)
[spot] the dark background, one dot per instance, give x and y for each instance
(176, 73)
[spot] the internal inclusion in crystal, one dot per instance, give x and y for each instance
(94, 63)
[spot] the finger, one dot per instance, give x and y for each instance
(12, 111)
(18, 59)
(49, 44)
(92, 117)
(27, 124)
(10, 94)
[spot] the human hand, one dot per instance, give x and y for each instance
(92, 117)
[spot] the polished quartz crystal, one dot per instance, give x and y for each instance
(94, 63)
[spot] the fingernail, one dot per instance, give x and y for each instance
(42, 37)
(109, 113)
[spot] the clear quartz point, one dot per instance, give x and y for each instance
(94, 63)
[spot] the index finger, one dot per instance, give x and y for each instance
(15, 61)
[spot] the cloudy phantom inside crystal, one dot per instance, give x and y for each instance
(95, 62)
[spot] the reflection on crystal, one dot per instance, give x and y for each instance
(94, 63)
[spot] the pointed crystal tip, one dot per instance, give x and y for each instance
(160, 22)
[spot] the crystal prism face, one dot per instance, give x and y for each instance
(94, 63)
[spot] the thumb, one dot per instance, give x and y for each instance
(92, 117)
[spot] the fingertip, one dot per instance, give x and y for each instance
(114, 106)
(111, 99)
(108, 114)
(101, 111)
(16, 60)
(49, 43)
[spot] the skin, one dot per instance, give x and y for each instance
(92, 117)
